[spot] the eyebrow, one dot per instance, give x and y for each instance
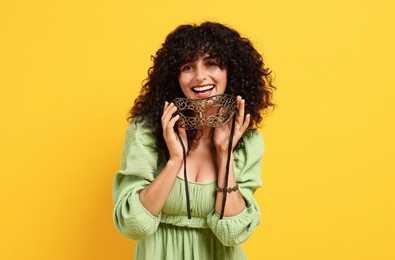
(205, 57)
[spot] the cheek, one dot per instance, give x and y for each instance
(224, 77)
(181, 80)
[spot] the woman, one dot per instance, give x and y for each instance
(188, 193)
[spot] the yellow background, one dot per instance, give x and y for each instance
(70, 70)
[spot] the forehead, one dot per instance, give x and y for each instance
(204, 56)
(192, 56)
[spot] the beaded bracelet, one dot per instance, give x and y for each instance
(229, 190)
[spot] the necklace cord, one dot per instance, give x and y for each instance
(232, 131)
(185, 175)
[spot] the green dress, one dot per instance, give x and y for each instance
(171, 235)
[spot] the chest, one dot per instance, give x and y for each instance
(201, 166)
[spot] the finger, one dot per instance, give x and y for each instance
(167, 108)
(168, 112)
(173, 121)
(168, 128)
(240, 110)
(246, 123)
(169, 120)
(241, 130)
(166, 117)
(164, 109)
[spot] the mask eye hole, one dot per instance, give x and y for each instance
(186, 112)
(187, 120)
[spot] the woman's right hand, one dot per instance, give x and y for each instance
(170, 136)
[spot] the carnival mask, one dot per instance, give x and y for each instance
(214, 111)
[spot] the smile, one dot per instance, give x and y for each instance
(203, 88)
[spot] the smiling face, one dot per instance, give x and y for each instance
(202, 78)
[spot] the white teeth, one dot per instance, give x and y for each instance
(203, 88)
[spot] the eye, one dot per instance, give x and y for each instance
(186, 67)
(211, 63)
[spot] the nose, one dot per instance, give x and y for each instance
(200, 73)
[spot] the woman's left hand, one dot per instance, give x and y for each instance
(222, 134)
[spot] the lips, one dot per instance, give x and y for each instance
(201, 89)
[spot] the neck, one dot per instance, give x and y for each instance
(207, 132)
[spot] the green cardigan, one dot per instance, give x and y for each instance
(141, 162)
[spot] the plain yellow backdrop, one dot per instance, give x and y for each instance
(70, 70)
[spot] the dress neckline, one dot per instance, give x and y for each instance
(198, 183)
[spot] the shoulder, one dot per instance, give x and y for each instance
(253, 142)
(138, 131)
(251, 150)
(140, 154)
(248, 159)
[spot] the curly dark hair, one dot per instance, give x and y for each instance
(246, 73)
